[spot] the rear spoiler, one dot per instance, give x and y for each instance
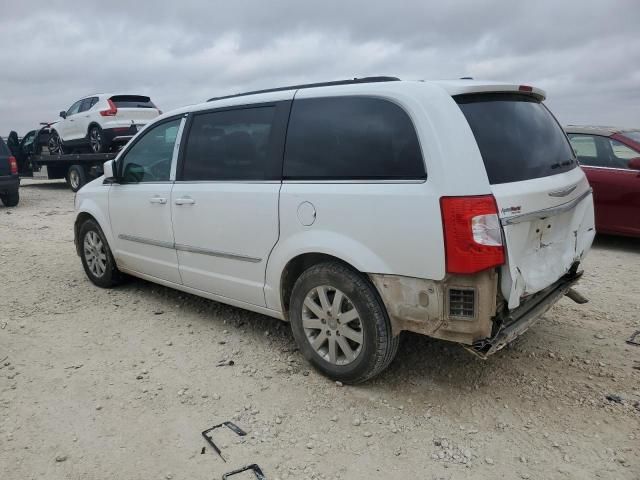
(465, 87)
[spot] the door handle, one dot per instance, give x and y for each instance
(185, 201)
(159, 200)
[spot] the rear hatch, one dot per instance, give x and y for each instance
(544, 200)
(136, 109)
(5, 153)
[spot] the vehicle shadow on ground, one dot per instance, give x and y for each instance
(423, 363)
(47, 185)
(612, 242)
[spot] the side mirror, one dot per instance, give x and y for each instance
(63, 114)
(108, 169)
(634, 163)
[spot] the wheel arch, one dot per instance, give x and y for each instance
(92, 124)
(90, 211)
(304, 249)
(296, 267)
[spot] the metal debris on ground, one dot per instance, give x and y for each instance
(633, 339)
(231, 426)
(254, 468)
(614, 398)
(225, 363)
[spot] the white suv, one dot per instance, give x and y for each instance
(101, 121)
(354, 210)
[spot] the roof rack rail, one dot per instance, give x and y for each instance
(312, 85)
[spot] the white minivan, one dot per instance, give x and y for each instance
(354, 210)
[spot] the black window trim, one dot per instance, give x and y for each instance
(364, 179)
(279, 130)
(125, 151)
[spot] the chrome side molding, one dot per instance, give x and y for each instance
(188, 248)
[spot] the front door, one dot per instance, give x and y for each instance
(139, 205)
(616, 188)
(66, 128)
(225, 202)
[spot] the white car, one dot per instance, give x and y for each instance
(101, 121)
(354, 210)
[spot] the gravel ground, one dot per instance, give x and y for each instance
(119, 384)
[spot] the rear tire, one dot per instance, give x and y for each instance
(76, 177)
(332, 303)
(97, 142)
(10, 199)
(97, 260)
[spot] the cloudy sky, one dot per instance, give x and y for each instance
(584, 53)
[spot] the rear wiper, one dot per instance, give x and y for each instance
(562, 164)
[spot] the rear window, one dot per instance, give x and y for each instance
(132, 101)
(517, 136)
(4, 150)
(351, 138)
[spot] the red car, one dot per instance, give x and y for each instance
(610, 158)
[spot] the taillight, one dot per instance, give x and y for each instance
(113, 110)
(472, 233)
(13, 165)
(525, 88)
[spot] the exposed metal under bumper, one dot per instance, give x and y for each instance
(518, 321)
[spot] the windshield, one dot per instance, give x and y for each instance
(633, 135)
(517, 136)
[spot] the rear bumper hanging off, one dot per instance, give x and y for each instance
(515, 322)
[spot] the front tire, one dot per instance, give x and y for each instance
(55, 144)
(10, 199)
(340, 323)
(96, 256)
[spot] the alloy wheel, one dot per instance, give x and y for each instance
(95, 139)
(74, 179)
(332, 325)
(54, 144)
(95, 254)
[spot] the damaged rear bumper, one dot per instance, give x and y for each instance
(514, 323)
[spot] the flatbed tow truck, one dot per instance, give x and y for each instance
(76, 168)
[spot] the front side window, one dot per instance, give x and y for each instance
(622, 153)
(230, 145)
(75, 108)
(149, 159)
(351, 138)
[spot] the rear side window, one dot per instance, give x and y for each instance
(343, 138)
(230, 145)
(517, 136)
(87, 103)
(132, 101)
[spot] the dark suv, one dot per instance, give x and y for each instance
(9, 180)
